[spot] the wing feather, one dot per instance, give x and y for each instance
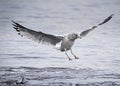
(84, 33)
(40, 37)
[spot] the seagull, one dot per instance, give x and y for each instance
(65, 42)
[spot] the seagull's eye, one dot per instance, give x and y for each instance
(76, 35)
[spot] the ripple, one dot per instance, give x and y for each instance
(53, 76)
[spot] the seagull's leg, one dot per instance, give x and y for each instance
(74, 54)
(67, 55)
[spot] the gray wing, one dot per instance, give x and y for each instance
(84, 33)
(40, 37)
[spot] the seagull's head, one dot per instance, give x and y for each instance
(73, 36)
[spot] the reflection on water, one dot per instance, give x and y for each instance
(98, 51)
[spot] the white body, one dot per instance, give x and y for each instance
(65, 44)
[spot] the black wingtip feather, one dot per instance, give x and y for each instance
(17, 25)
(13, 21)
(107, 19)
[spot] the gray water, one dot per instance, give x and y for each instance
(99, 51)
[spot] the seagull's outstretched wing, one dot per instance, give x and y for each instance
(40, 37)
(84, 33)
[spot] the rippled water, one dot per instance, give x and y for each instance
(99, 52)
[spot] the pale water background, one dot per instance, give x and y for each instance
(99, 51)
